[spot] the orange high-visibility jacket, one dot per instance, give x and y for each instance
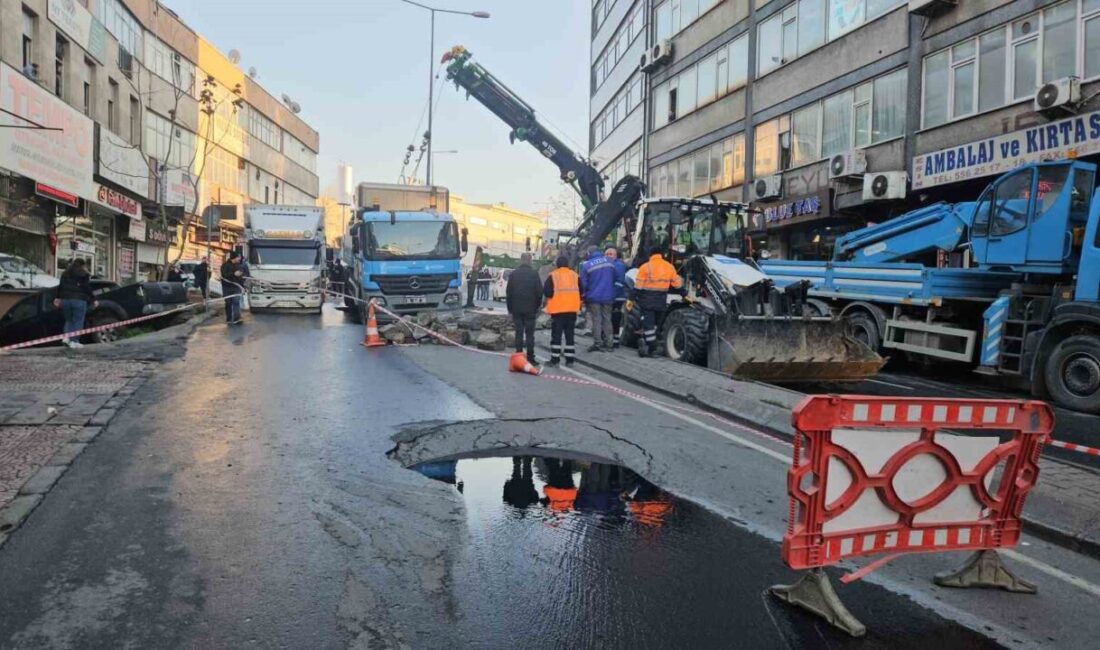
(657, 275)
(561, 499)
(567, 292)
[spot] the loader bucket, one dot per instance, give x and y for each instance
(789, 350)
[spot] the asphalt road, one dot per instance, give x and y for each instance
(253, 493)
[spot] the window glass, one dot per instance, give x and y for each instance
(683, 178)
(811, 24)
(963, 51)
(991, 84)
(663, 20)
(769, 45)
(836, 132)
(689, 11)
(890, 98)
(1059, 41)
(716, 182)
(877, 7)
(1010, 205)
(805, 125)
(1092, 46)
(739, 159)
(1082, 193)
(707, 76)
(790, 39)
(964, 90)
(1052, 180)
(722, 70)
(862, 125)
(702, 172)
(686, 89)
(1091, 5)
(981, 214)
(739, 62)
(935, 89)
(844, 16)
(1024, 82)
(766, 149)
(660, 105)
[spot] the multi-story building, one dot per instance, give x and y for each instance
(121, 124)
(617, 98)
(497, 228)
(797, 105)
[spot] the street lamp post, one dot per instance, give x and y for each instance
(431, 67)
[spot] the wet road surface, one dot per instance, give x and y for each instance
(245, 497)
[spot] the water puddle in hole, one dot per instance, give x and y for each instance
(568, 552)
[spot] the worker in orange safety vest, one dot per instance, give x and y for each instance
(562, 290)
(652, 284)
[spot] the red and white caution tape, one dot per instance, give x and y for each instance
(1082, 449)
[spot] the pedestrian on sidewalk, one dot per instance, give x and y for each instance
(563, 301)
(597, 280)
(483, 279)
(233, 276)
(523, 297)
(651, 287)
(620, 294)
(74, 294)
(202, 276)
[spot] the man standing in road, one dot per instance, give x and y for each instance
(597, 280)
(651, 286)
(202, 276)
(523, 298)
(563, 301)
(233, 275)
(620, 294)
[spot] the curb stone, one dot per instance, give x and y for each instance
(102, 417)
(16, 511)
(43, 479)
(87, 434)
(67, 454)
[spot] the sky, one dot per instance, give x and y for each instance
(359, 69)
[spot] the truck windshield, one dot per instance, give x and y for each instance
(284, 255)
(426, 240)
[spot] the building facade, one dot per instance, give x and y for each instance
(120, 125)
(796, 105)
(617, 97)
(497, 228)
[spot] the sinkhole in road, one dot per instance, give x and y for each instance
(568, 550)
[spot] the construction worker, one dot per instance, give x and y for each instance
(651, 286)
(563, 300)
(620, 294)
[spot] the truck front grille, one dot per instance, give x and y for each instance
(413, 285)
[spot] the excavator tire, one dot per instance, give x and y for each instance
(628, 335)
(685, 335)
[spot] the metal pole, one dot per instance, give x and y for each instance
(431, 92)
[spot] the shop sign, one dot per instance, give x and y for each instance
(780, 212)
(177, 188)
(62, 158)
(81, 246)
(77, 22)
(41, 189)
(118, 202)
(121, 163)
(1071, 137)
(138, 230)
(155, 234)
(126, 261)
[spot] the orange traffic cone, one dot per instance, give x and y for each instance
(519, 363)
(371, 339)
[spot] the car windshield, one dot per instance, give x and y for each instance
(283, 255)
(428, 240)
(15, 265)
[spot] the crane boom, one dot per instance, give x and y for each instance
(601, 216)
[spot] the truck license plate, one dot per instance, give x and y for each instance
(416, 300)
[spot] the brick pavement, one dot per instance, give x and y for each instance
(47, 402)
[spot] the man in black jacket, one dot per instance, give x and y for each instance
(74, 296)
(202, 276)
(524, 297)
(233, 275)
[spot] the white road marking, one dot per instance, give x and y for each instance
(889, 383)
(1039, 565)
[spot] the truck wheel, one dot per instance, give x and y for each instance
(1072, 373)
(863, 328)
(685, 336)
(103, 317)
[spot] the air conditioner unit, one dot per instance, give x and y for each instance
(930, 7)
(769, 187)
(884, 186)
(125, 62)
(850, 163)
(658, 55)
(1059, 95)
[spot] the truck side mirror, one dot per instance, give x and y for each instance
(354, 232)
(466, 240)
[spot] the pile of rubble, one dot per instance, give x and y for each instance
(483, 329)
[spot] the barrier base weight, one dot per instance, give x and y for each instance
(984, 570)
(814, 592)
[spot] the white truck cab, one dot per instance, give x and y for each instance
(285, 251)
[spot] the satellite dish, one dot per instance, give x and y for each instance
(295, 107)
(234, 57)
(286, 99)
(252, 72)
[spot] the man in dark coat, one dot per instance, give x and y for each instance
(74, 296)
(233, 275)
(202, 276)
(523, 298)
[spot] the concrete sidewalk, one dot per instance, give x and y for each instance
(1064, 508)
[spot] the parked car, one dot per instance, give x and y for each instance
(35, 316)
(18, 273)
(498, 289)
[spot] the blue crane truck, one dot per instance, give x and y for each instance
(1026, 308)
(407, 262)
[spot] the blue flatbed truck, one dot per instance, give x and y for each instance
(1027, 308)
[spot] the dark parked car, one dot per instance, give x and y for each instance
(35, 316)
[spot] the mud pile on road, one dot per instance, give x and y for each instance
(486, 330)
